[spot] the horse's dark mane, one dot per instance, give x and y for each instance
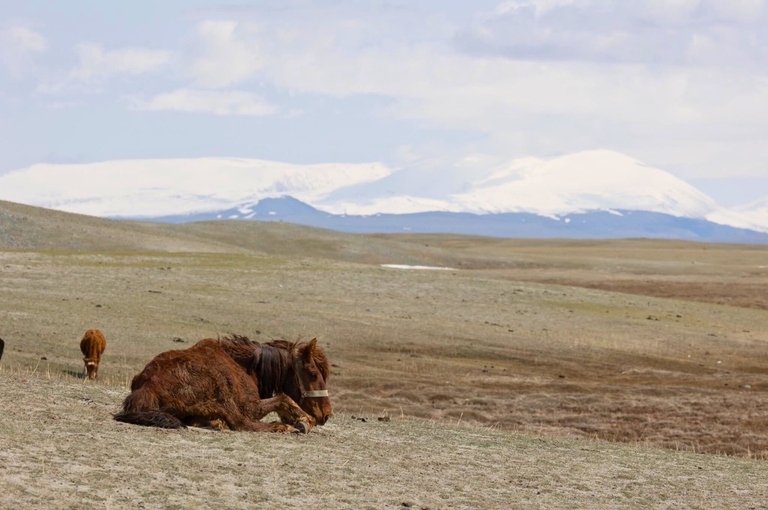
(238, 340)
(271, 362)
(272, 369)
(245, 352)
(322, 363)
(318, 355)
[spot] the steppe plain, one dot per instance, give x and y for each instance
(533, 373)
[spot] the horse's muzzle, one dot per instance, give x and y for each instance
(324, 419)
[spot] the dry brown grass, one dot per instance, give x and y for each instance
(59, 448)
(445, 346)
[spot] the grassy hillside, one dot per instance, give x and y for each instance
(24, 227)
(649, 343)
(32, 228)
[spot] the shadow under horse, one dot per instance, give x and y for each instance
(232, 383)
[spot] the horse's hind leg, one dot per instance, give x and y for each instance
(204, 423)
(229, 417)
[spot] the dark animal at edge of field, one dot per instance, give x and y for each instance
(92, 346)
(232, 383)
(2, 347)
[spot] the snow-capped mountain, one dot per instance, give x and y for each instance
(591, 225)
(586, 182)
(756, 211)
(576, 183)
(159, 187)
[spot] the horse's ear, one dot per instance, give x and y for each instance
(309, 349)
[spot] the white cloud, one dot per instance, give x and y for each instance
(487, 92)
(540, 7)
(712, 93)
(682, 12)
(739, 10)
(26, 39)
(17, 45)
(97, 64)
(209, 101)
(671, 11)
(226, 59)
(653, 32)
(677, 83)
(539, 80)
(668, 12)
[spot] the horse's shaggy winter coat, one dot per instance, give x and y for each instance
(232, 383)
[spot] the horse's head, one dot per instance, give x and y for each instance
(91, 368)
(311, 374)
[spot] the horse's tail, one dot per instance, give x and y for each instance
(150, 419)
(141, 407)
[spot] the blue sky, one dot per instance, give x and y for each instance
(431, 85)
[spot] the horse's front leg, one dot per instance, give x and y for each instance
(288, 411)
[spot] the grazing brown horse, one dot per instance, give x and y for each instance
(232, 383)
(92, 346)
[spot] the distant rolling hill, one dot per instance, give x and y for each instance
(24, 227)
(590, 225)
(31, 228)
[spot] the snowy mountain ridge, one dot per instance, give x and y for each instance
(756, 211)
(157, 187)
(577, 183)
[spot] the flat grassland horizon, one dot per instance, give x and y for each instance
(524, 343)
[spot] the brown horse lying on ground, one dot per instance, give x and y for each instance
(232, 383)
(92, 346)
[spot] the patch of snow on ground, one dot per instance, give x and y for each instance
(405, 266)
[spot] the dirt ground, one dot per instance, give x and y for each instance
(732, 293)
(59, 448)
